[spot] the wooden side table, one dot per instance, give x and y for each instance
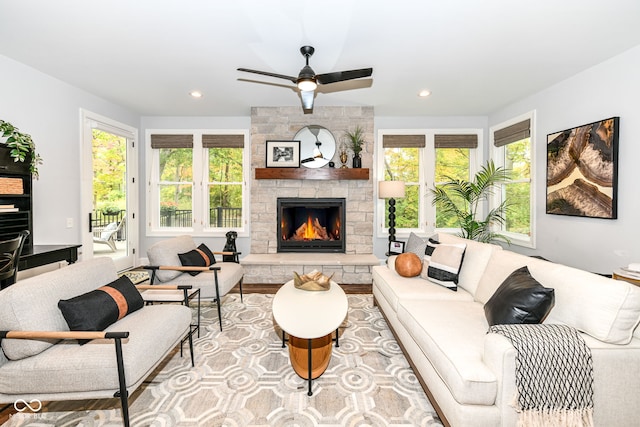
(627, 276)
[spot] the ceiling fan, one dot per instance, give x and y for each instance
(307, 80)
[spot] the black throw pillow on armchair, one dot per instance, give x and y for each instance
(519, 299)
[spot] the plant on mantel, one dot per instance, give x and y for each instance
(356, 143)
(22, 147)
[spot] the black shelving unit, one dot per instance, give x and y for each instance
(22, 219)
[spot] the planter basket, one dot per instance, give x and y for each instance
(11, 186)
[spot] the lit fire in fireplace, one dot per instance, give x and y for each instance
(312, 230)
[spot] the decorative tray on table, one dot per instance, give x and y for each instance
(312, 281)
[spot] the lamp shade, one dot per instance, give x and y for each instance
(391, 189)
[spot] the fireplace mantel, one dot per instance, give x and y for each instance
(307, 173)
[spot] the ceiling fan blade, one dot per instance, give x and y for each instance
(265, 73)
(340, 76)
(307, 99)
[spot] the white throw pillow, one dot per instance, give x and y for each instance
(442, 262)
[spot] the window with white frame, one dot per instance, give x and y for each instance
(402, 160)
(419, 158)
(197, 182)
(512, 149)
(454, 154)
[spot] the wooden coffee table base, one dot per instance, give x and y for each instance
(319, 357)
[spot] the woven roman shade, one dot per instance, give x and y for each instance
(513, 133)
(171, 141)
(403, 141)
(223, 141)
(456, 141)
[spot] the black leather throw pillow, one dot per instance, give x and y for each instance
(199, 257)
(519, 299)
(96, 310)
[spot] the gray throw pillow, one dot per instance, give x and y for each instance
(417, 245)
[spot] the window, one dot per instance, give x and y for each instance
(402, 154)
(418, 158)
(453, 162)
(197, 182)
(225, 180)
(512, 150)
(402, 159)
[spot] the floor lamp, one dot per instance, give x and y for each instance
(391, 190)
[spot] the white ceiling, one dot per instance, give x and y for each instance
(475, 56)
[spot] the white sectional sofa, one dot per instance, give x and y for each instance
(469, 374)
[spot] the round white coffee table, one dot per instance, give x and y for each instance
(310, 318)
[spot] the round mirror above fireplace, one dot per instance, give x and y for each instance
(317, 146)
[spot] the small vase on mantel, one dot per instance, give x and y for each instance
(355, 139)
(357, 161)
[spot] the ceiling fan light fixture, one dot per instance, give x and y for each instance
(307, 84)
(195, 94)
(424, 93)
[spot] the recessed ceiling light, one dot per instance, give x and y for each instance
(424, 93)
(195, 94)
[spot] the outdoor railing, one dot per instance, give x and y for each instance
(219, 217)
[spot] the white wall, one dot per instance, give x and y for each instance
(49, 110)
(609, 89)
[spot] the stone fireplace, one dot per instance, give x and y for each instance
(311, 225)
(282, 123)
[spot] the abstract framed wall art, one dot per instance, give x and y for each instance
(582, 170)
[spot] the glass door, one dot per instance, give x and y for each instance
(110, 182)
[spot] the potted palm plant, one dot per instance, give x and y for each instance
(356, 143)
(21, 147)
(462, 199)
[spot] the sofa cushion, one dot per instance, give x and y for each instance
(32, 304)
(519, 299)
(606, 309)
(451, 335)
(444, 261)
(198, 257)
(229, 275)
(394, 287)
(97, 309)
(165, 252)
(476, 258)
(64, 368)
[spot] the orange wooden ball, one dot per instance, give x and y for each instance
(408, 264)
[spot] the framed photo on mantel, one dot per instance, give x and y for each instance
(283, 154)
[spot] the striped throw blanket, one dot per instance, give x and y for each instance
(554, 375)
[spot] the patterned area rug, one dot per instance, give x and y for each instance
(137, 276)
(243, 378)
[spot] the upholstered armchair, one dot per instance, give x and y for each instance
(169, 263)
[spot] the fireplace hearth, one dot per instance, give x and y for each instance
(311, 224)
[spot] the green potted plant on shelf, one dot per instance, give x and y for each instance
(21, 147)
(356, 143)
(462, 199)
